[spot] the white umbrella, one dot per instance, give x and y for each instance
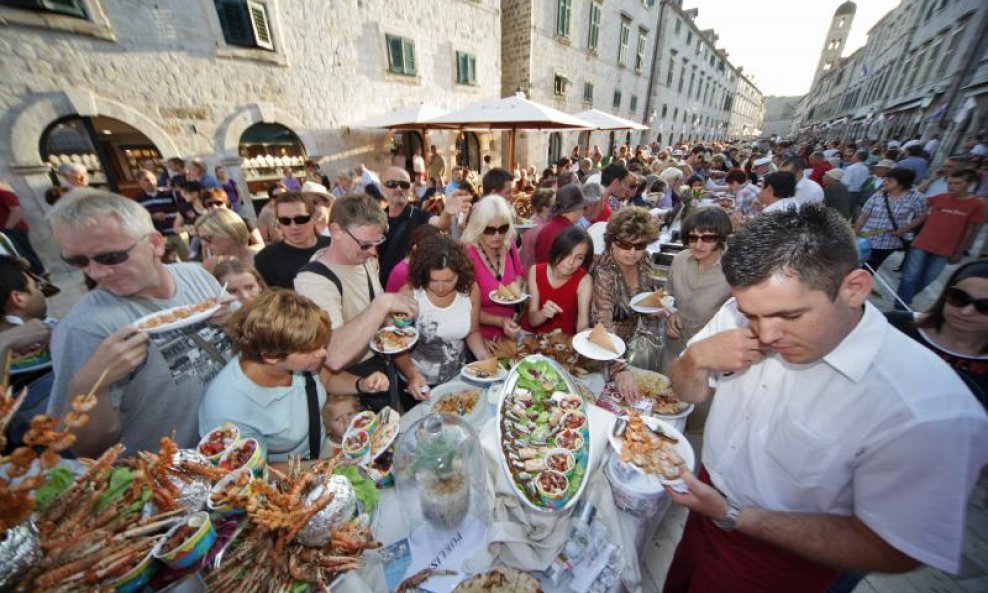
(512, 113)
(607, 121)
(418, 117)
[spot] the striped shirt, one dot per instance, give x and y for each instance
(161, 202)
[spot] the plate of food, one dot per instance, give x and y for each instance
(459, 398)
(392, 340)
(500, 580)
(654, 448)
(599, 344)
(508, 294)
(540, 419)
(177, 317)
(484, 371)
(34, 358)
(652, 302)
(657, 388)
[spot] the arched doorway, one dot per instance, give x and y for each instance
(267, 149)
(404, 147)
(555, 147)
(468, 151)
(112, 151)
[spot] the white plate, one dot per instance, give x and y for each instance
(683, 447)
(476, 416)
(500, 376)
(184, 322)
(581, 344)
(668, 301)
(415, 339)
(494, 299)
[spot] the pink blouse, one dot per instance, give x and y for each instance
(486, 283)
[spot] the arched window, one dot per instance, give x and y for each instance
(268, 149)
(555, 147)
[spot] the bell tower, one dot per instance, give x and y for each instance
(833, 45)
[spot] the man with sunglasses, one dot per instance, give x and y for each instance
(834, 442)
(344, 281)
(146, 385)
(403, 218)
(279, 262)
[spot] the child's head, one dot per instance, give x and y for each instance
(336, 416)
(242, 280)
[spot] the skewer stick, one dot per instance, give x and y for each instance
(98, 383)
(5, 372)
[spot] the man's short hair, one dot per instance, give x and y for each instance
(13, 278)
(292, 197)
(736, 176)
(783, 183)
(71, 169)
(903, 176)
(357, 210)
(612, 172)
(814, 244)
(861, 155)
(199, 165)
(90, 208)
(495, 180)
(795, 163)
(970, 175)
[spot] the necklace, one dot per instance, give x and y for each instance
(495, 269)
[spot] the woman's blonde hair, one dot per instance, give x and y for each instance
(278, 323)
(227, 223)
(631, 223)
(481, 216)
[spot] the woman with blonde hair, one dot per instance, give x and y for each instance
(223, 233)
(490, 241)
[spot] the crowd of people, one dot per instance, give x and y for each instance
(830, 435)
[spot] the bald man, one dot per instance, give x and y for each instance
(403, 218)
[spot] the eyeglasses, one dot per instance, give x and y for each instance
(214, 204)
(299, 220)
(365, 246)
(393, 183)
(959, 298)
(693, 238)
(109, 258)
(631, 246)
(497, 230)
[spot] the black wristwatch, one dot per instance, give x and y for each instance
(730, 519)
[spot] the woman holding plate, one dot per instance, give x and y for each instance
(440, 279)
(562, 289)
(623, 271)
(490, 240)
(699, 287)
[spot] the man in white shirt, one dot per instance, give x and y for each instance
(854, 177)
(418, 164)
(835, 442)
(777, 192)
(807, 190)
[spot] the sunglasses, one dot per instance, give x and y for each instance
(957, 297)
(497, 230)
(110, 258)
(693, 238)
(299, 220)
(393, 183)
(631, 246)
(365, 246)
(214, 204)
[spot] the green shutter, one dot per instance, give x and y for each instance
(73, 8)
(408, 47)
(235, 22)
(396, 62)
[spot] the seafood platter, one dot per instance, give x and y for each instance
(543, 426)
(555, 344)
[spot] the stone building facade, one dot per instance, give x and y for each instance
(194, 78)
(575, 55)
(697, 93)
(780, 113)
(922, 72)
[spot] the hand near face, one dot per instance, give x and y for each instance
(728, 351)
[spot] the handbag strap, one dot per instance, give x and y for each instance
(315, 429)
(888, 208)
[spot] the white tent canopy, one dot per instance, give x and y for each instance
(605, 121)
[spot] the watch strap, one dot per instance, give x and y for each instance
(730, 519)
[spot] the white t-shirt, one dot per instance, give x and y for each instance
(418, 164)
(808, 191)
(439, 353)
(880, 428)
(783, 204)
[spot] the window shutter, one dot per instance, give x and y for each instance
(260, 26)
(395, 60)
(235, 22)
(472, 78)
(408, 47)
(72, 8)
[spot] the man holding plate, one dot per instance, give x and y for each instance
(834, 442)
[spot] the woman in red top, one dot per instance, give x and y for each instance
(561, 289)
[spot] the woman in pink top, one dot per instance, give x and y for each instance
(399, 274)
(490, 240)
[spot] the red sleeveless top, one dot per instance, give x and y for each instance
(565, 296)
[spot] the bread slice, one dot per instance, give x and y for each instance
(514, 289)
(504, 293)
(488, 366)
(654, 299)
(599, 336)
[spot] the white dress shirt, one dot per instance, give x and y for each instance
(855, 175)
(879, 428)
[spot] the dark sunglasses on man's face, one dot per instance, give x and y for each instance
(393, 183)
(693, 238)
(497, 230)
(959, 298)
(299, 220)
(109, 258)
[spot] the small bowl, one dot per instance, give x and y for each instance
(555, 499)
(220, 486)
(356, 444)
(257, 462)
(574, 420)
(193, 548)
(570, 403)
(365, 421)
(576, 441)
(137, 578)
(564, 453)
(214, 458)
